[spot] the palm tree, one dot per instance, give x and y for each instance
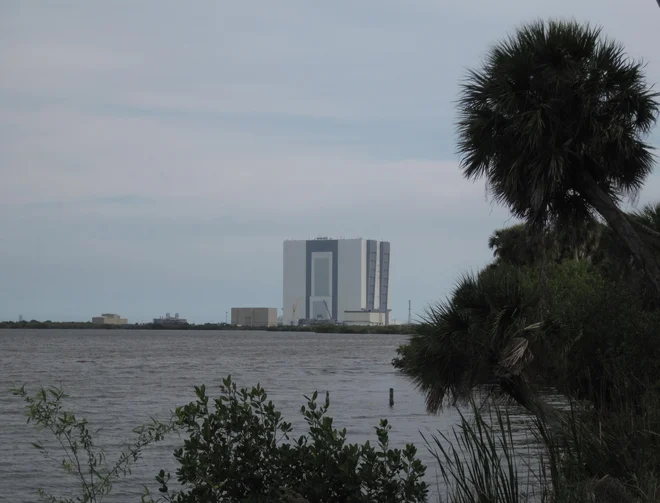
(577, 240)
(516, 245)
(488, 333)
(555, 121)
(649, 216)
(521, 246)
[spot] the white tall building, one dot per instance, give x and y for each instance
(337, 279)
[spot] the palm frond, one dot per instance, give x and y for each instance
(466, 341)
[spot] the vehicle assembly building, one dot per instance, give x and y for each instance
(334, 280)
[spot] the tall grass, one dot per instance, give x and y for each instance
(479, 462)
(612, 458)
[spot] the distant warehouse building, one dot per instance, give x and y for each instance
(170, 321)
(254, 316)
(336, 280)
(109, 319)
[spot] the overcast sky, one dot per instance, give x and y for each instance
(154, 155)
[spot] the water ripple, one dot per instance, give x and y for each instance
(120, 379)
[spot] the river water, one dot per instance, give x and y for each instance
(119, 379)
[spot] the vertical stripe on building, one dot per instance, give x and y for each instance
(322, 245)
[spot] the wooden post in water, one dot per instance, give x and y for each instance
(391, 397)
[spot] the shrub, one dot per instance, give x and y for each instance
(241, 449)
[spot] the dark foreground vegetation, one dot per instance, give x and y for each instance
(555, 121)
(237, 448)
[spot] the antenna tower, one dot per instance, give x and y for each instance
(409, 313)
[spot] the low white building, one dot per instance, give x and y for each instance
(365, 318)
(169, 320)
(109, 319)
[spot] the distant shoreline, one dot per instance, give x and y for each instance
(325, 329)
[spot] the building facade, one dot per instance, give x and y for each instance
(109, 319)
(323, 279)
(254, 316)
(366, 318)
(170, 320)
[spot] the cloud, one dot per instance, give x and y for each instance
(154, 153)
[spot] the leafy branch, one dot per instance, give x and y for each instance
(82, 459)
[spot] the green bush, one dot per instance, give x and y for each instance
(240, 449)
(608, 349)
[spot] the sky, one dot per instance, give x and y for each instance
(154, 155)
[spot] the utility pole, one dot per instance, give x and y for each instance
(410, 304)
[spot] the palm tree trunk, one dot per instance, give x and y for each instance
(619, 223)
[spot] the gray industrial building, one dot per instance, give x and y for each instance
(109, 319)
(169, 320)
(254, 316)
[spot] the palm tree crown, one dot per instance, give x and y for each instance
(554, 109)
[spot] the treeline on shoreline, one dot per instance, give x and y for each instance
(321, 329)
